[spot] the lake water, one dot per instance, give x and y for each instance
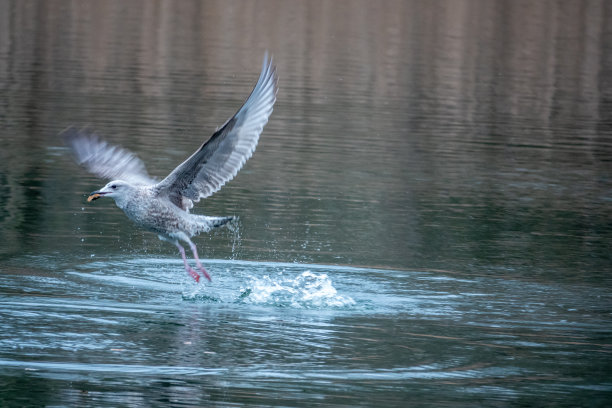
(427, 220)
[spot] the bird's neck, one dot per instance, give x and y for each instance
(122, 202)
(126, 200)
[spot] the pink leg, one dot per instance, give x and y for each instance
(188, 268)
(195, 255)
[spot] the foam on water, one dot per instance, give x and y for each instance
(307, 290)
(243, 282)
(265, 285)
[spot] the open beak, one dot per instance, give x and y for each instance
(95, 195)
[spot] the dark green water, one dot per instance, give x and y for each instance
(427, 220)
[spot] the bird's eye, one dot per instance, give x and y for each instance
(114, 186)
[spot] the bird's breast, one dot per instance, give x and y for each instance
(154, 215)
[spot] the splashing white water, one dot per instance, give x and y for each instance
(307, 290)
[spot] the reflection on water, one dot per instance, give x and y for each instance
(457, 151)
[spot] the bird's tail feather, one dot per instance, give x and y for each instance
(207, 223)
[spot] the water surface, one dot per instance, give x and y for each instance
(426, 221)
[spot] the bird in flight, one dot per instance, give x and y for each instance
(163, 207)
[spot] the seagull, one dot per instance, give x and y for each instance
(163, 207)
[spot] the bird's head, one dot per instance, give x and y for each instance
(116, 189)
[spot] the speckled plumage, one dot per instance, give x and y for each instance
(162, 216)
(163, 207)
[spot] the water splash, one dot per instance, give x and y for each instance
(307, 290)
(234, 228)
(269, 285)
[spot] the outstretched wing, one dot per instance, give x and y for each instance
(104, 160)
(218, 160)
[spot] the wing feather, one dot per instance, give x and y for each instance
(104, 160)
(220, 158)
